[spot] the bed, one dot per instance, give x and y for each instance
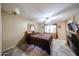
(41, 40)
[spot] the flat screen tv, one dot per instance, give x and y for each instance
(73, 26)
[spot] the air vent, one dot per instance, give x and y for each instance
(12, 11)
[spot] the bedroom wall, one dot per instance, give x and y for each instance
(14, 27)
(0, 31)
(61, 28)
(41, 29)
(77, 18)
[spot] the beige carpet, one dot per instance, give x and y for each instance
(30, 51)
(58, 48)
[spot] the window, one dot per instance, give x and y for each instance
(32, 28)
(50, 28)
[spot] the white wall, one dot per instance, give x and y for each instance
(41, 28)
(14, 27)
(61, 28)
(77, 18)
(0, 31)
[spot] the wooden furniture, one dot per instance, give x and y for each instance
(41, 40)
(73, 43)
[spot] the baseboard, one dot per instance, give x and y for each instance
(7, 48)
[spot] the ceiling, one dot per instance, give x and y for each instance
(44, 12)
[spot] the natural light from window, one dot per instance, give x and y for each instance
(50, 28)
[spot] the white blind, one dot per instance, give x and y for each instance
(32, 28)
(50, 28)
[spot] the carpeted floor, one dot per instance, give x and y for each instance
(58, 48)
(30, 51)
(61, 49)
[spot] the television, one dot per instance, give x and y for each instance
(73, 26)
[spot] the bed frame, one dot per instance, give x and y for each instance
(41, 40)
